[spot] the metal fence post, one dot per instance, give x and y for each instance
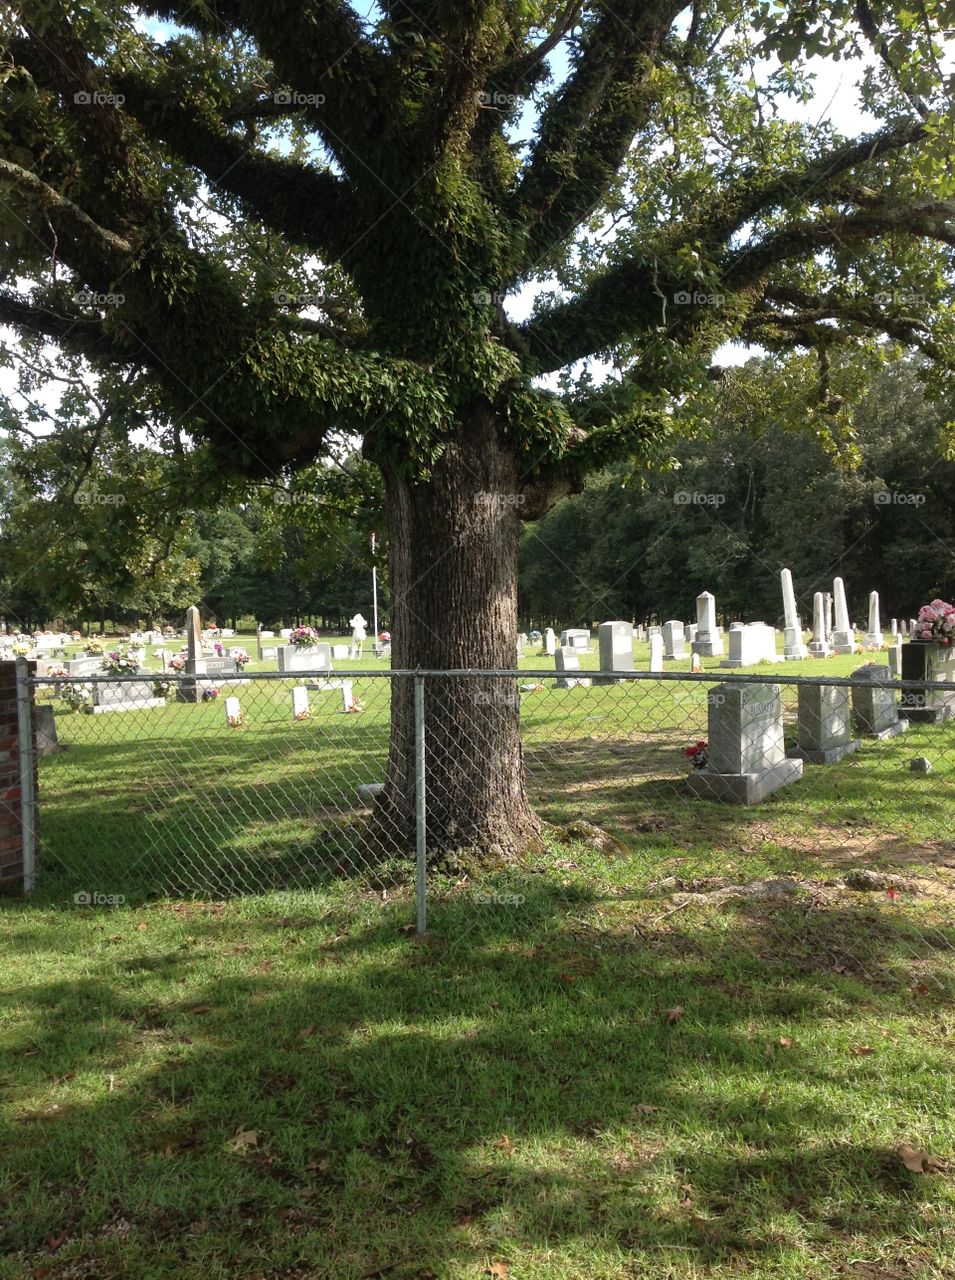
(27, 757)
(421, 805)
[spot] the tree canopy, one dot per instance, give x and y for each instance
(282, 221)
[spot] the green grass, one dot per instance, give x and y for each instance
(506, 1090)
(510, 1089)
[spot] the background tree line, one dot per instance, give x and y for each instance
(143, 536)
(760, 477)
(864, 488)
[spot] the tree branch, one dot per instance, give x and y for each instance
(83, 334)
(586, 131)
(929, 219)
(870, 29)
(752, 195)
(321, 51)
(634, 295)
(802, 322)
(71, 218)
(523, 68)
(312, 208)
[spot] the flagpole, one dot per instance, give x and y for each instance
(374, 588)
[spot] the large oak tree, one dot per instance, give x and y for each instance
(290, 222)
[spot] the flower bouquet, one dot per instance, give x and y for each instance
(78, 697)
(696, 754)
(385, 637)
(120, 662)
(936, 623)
(240, 657)
(210, 694)
(20, 649)
(176, 663)
(303, 637)
(94, 648)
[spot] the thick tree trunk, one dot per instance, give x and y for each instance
(453, 606)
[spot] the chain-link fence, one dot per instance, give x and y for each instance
(690, 787)
(168, 785)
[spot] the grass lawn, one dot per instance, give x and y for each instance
(294, 1085)
(574, 1075)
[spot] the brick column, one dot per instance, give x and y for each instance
(11, 782)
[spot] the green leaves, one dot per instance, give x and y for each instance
(326, 215)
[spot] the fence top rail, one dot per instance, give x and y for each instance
(468, 673)
(682, 677)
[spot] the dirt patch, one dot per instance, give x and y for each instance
(714, 891)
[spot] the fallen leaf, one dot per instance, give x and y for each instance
(320, 1165)
(921, 989)
(890, 893)
(645, 1108)
(505, 1144)
(54, 1242)
(919, 1161)
(306, 1032)
(567, 977)
(861, 1050)
(784, 1042)
(142, 927)
(242, 1139)
(674, 1014)
(498, 1269)
(201, 1008)
(40, 1273)
(199, 1227)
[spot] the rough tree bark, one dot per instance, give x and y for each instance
(454, 605)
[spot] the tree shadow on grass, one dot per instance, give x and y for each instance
(176, 822)
(488, 1092)
(216, 812)
(836, 815)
